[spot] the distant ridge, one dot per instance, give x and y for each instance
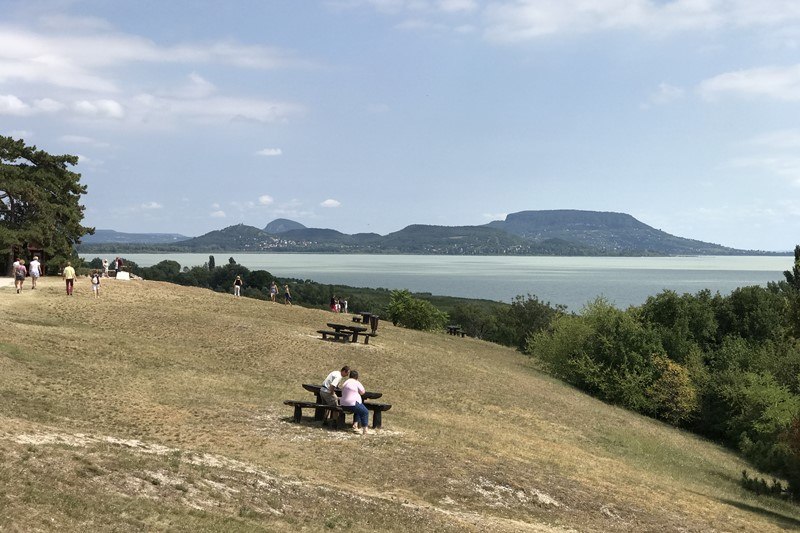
(565, 232)
(116, 237)
(608, 232)
(282, 225)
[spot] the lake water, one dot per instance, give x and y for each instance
(571, 281)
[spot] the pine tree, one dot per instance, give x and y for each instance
(39, 201)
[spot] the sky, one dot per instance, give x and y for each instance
(371, 115)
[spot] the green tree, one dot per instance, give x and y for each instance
(39, 201)
(410, 312)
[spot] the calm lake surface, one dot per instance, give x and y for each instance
(571, 281)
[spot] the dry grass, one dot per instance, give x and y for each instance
(159, 407)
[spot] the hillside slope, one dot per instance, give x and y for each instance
(159, 407)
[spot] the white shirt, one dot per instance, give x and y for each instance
(333, 379)
(34, 268)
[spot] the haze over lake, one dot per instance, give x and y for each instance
(571, 281)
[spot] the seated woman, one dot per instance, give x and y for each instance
(352, 389)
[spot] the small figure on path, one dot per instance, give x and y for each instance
(273, 291)
(96, 283)
(287, 295)
(19, 275)
(69, 277)
(35, 271)
(237, 286)
(328, 390)
(351, 397)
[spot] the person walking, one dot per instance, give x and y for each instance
(35, 271)
(105, 268)
(273, 291)
(237, 286)
(328, 390)
(19, 275)
(96, 283)
(352, 389)
(287, 295)
(69, 277)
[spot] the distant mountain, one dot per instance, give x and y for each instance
(111, 236)
(282, 225)
(555, 232)
(609, 233)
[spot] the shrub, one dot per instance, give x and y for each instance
(674, 395)
(410, 312)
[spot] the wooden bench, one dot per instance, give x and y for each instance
(339, 336)
(365, 335)
(377, 410)
(338, 420)
(453, 330)
(357, 319)
(318, 407)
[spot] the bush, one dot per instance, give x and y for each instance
(409, 312)
(674, 395)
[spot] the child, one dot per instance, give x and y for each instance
(237, 286)
(96, 283)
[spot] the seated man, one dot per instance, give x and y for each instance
(328, 390)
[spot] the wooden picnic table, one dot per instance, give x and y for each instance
(316, 388)
(319, 412)
(354, 330)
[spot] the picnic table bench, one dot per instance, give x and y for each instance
(354, 331)
(320, 406)
(455, 330)
(339, 336)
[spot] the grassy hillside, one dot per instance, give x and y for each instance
(159, 407)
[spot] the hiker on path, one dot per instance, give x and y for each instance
(287, 296)
(328, 390)
(19, 275)
(105, 268)
(35, 271)
(352, 389)
(96, 283)
(237, 286)
(273, 291)
(69, 277)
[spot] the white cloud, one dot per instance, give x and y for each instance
(80, 139)
(786, 166)
(265, 199)
(215, 205)
(20, 134)
(48, 105)
(217, 214)
(780, 140)
(495, 216)
(330, 202)
(11, 105)
(451, 6)
(664, 94)
(778, 83)
(100, 108)
(270, 152)
(148, 107)
(151, 205)
(520, 20)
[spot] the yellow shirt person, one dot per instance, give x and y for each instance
(69, 276)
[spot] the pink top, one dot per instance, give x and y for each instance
(351, 392)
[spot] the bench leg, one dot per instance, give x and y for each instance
(340, 419)
(376, 419)
(298, 413)
(366, 339)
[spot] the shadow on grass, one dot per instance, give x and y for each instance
(782, 520)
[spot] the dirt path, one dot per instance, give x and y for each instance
(6, 282)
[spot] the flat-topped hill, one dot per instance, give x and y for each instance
(159, 407)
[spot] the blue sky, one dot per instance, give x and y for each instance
(369, 115)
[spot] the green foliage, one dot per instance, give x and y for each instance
(674, 395)
(211, 262)
(39, 202)
(410, 312)
(526, 316)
